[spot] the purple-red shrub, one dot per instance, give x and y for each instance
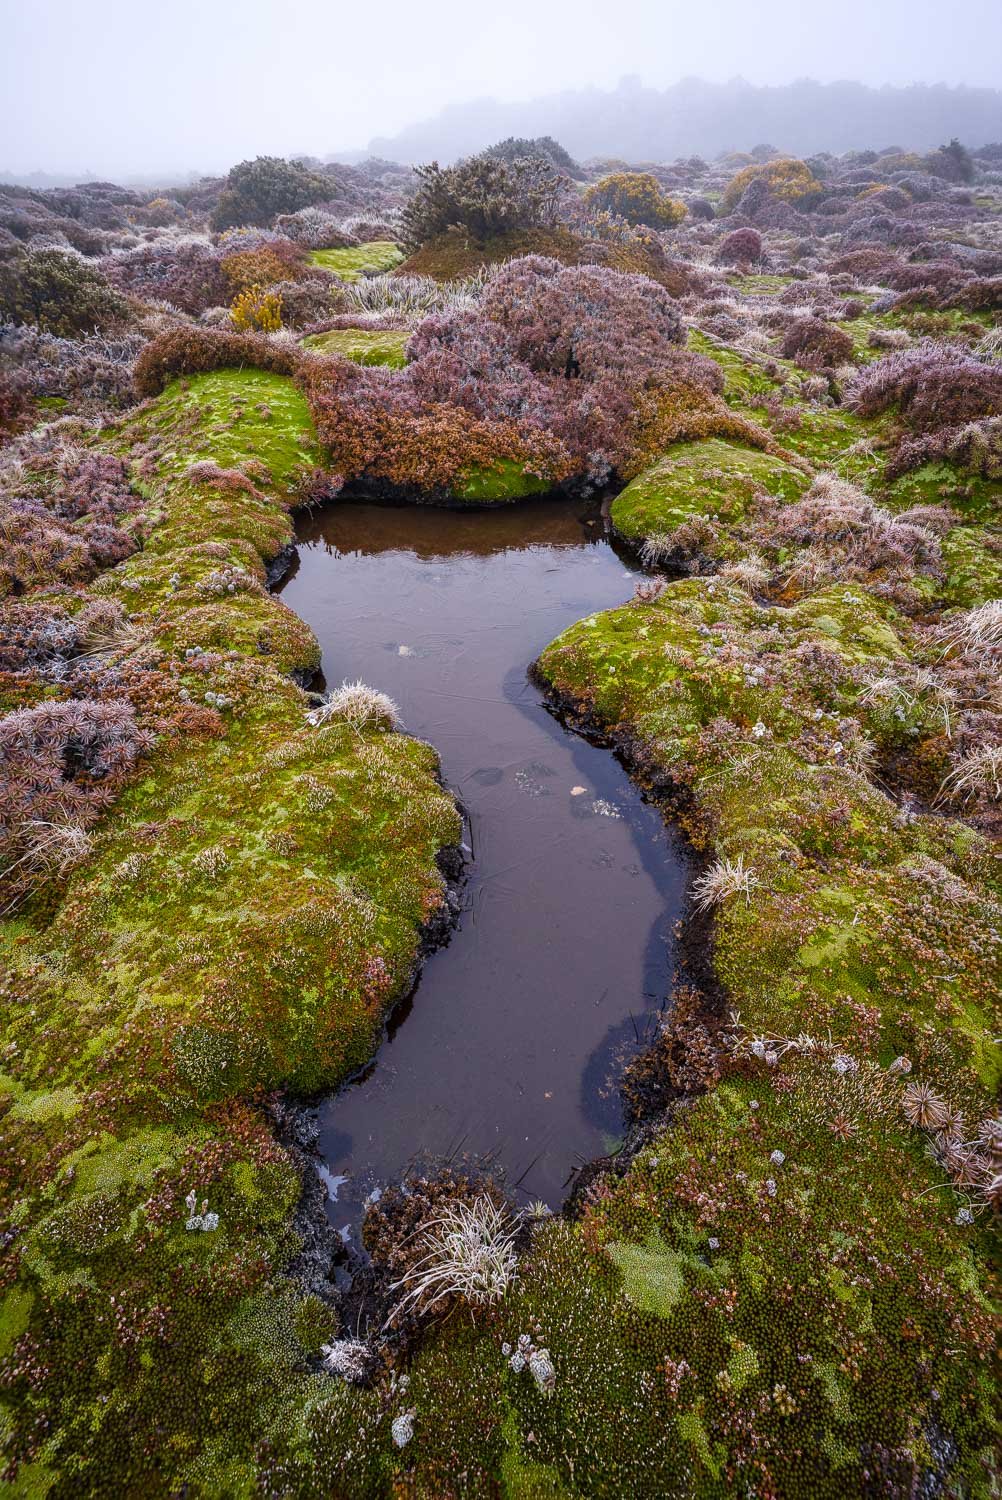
(65, 513)
(61, 765)
(982, 294)
(90, 373)
(933, 385)
(937, 391)
(813, 344)
(552, 364)
(740, 247)
(186, 272)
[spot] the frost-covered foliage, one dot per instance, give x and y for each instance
(741, 247)
(724, 878)
(359, 706)
(518, 147)
(57, 292)
(549, 368)
(945, 399)
(184, 270)
(786, 179)
(65, 513)
(352, 1359)
(814, 344)
(315, 229)
(408, 296)
(61, 764)
(256, 191)
(91, 374)
(484, 195)
(838, 532)
(466, 1252)
(192, 350)
(637, 198)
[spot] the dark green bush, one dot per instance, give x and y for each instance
(484, 196)
(57, 292)
(257, 190)
(517, 147)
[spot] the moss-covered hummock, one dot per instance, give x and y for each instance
(365, 346)
(356, 261)
(253, 905)
(502, 484)
(713, 482)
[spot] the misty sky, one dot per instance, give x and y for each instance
(113, 87)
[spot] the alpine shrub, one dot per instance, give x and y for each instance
(814, 344)
(787, 179)
(185, 271)
(57, 292)
(637, 198)
(553, 364)
(482, 195)
(740, 247)
(257, 190)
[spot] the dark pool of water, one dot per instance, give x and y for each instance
(564, 948)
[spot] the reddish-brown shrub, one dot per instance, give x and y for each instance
(279, 260)
(194, 351)
(814, 344)
(740, 247)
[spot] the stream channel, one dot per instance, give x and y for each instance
(511, 1043)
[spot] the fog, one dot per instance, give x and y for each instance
(111, 88)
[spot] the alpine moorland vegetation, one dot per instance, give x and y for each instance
(215, 883)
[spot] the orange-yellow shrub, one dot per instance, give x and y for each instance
(637, 198)
(257, 311)
(786, 178)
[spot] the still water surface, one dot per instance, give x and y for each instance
(512, 1040)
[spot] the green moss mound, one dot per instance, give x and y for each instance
(718, 691)
(714, 480)
(355, 261)
(787, 1258)
(253, 904)
(502, 483)
(364, 346)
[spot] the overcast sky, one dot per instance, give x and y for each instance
(121, 86)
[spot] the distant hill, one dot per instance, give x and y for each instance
(697, 118)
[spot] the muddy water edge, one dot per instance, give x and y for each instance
(510, 1046)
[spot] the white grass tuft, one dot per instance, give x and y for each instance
(723, 879)
(978, 775)
(359, 706)
(469, 1251)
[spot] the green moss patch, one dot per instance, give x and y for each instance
(502, 482)
(712, 480)
(363, 345)
(356, 261)
(253, 904)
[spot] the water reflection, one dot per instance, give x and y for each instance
(564, 948)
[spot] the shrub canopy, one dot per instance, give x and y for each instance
(637, 198)
(57, 292)
(787, 179)
(483, 195)
(257, 190)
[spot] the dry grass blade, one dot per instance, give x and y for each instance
(357, 705)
